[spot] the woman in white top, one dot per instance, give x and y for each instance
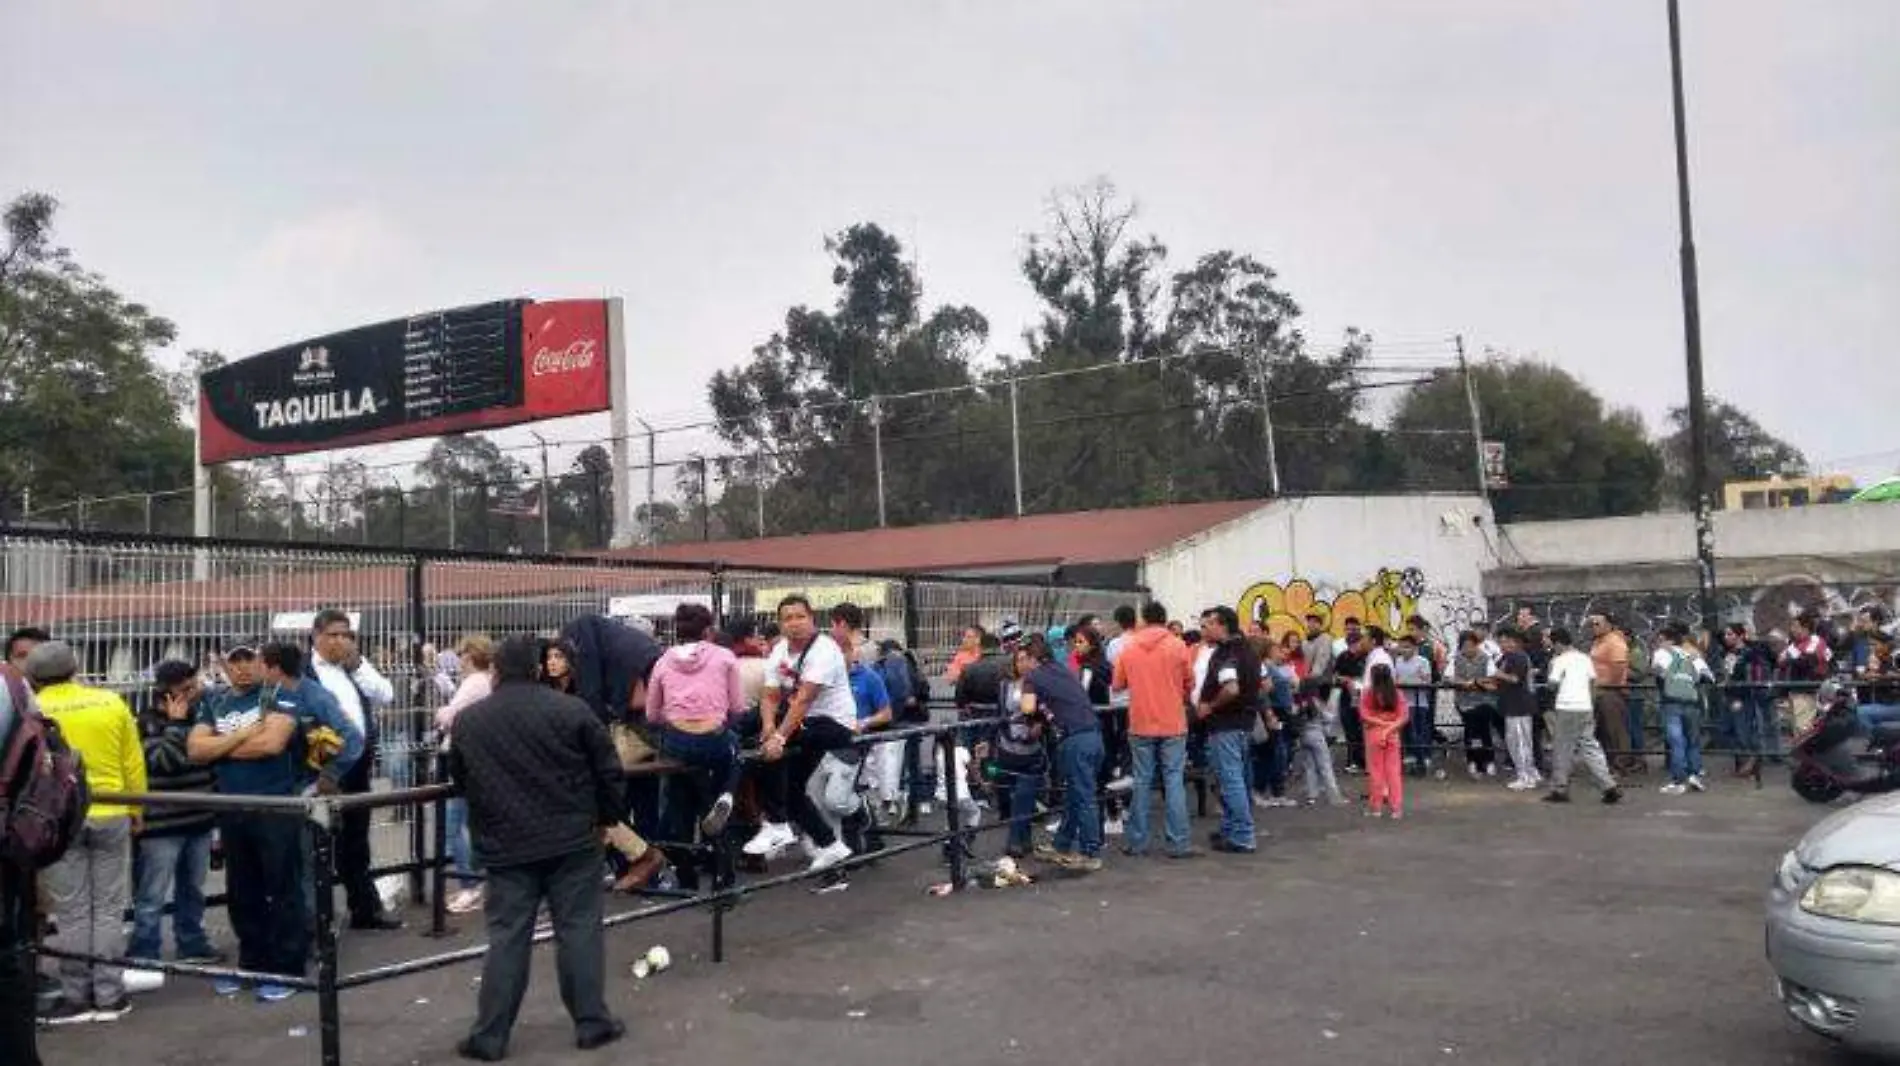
(477, 657)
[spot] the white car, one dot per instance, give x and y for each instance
(1834, 927)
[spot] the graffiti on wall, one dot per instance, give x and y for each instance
(1764, 608)
(1387, 599)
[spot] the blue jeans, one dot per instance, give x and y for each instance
(1171, 753)
(1633, 716)
(1874, 714)
(1080, 755)
(1754, 719)
(1682, 730)
(1020, 787)
(1270, 762)
(1227, 757)
(170, 869)
(1419, 733)
(455, 822)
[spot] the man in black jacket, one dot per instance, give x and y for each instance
(174, 847)
(542, 781)
(1228, 705)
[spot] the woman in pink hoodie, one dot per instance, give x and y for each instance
(1384, 713)
(693, 696)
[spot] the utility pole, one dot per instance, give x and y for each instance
(758, 485)
(1266, 420)
(1692, 343)
(877, 454)
(1477, 421)
(547, 498)
(705, 501)
(651, 467)
(1016, 446)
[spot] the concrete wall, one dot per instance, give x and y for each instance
(1830, 560)
(1379, 558)
(1832, 530)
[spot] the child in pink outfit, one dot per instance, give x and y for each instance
(1384, 713)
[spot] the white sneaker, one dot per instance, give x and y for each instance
(1124, 783)
(1522, 784)
(1054, 826)
(772, 837)
(826, 858)
(1673, 789)
(1697, 784)
(1112, 827)
(1491, 770)
(925, 809)
(1471, 770)
(138, 982)
(467, 901)
(1262, 803)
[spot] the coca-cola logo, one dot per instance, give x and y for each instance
(575, 357)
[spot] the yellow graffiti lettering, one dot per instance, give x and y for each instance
(1279, 608)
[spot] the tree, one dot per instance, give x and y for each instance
(1739, 449)
(83, 410)
(1566, 454)
(1101, 439)
(457, 482)
(1235, 329)
(800, 412)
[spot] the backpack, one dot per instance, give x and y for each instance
(1679, 680)
(907, 706)
(43, 793)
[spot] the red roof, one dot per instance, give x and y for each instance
(1074, 539)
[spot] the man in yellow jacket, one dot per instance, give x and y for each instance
(89, 885)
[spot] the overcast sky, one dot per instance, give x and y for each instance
(1502, 169)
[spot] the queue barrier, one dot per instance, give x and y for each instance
(322, 814)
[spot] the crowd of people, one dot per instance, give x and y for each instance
(556, 743)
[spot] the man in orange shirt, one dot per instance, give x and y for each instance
(1154, 669)
(1610, 655)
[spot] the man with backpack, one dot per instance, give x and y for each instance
(88, 885)
(1680, 670)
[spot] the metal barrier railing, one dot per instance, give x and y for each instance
(323, 814)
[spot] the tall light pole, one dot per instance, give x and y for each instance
(1692, 344)
(547, 497)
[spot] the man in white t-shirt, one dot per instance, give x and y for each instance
(1574, 736)
(808, 699)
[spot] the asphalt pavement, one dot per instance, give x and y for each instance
(1486, 928)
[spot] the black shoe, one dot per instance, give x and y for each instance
(1134, 853)
(1228, 847)
(1214, 839)
(468, 1049)
(376, 923)
(1557, 797)
(1612, 796)
(112, 1012)
(1185, 853)
(66, 1012)
(600, 1038)
(207, 957)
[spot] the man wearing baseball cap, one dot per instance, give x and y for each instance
(252, 749)
(88, 884)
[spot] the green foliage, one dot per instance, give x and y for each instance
(83, 410)
(1739, 449)
(1566, 455)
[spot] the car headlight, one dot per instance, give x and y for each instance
(1855, 894)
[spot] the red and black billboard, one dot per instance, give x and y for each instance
(479, 367)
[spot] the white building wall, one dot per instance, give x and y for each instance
(1379, 558)
(1821, 530)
